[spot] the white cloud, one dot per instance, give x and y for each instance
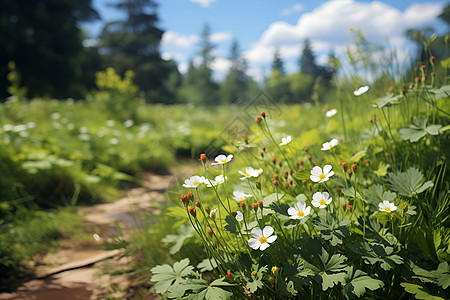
(172, 39)
(328, 26)
(204, 3)
(293, 9)
(221, 36)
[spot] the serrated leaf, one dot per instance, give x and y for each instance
(207, 265)
(332, 230)
(375, 194)
(358, 281)
(408, 183)
(213, 291)
(330, 280)
(419, 292)
(443, 275)
(177, 240)
(164, 276)
(418, 129)
(387, 101)
(374, 253)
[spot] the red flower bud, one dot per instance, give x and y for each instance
(210, 232)
(285, 174)
(349, 172)
(291, 182)
(279, 163)
(184, 199)
(197, 203)
(274, 160)
(433, 74)
(344, 165)
(286, 184)
(432, 59)
(229, 274)
(349, 207)
(367, 162)
(354, 167)
(306, 149)
(422, 67)
(254, 206)
(260, 204)
(192, 211)
(263, 148)
(275, 183)
(263, 114)
(190, 195)
(304, 181)
(309, 157)
(242, 205)
(203, 157)
(261, 153)
(258, 119)
(343, 205)
(275, 176)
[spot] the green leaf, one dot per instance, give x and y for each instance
(269, 199)
(231, 225)
(207, 265)
(332, 270)
(177, 240)
(213, 291)
(382, 169)
(358, 281)
(330, 280)
(419, 291)
(418, 129)
(408, 183)
(387, 101)
(375, 194)
(373, 253)
(332, 230)
(355, 158)
(164, 276)
(444, 129)
(350, 192)
(443, 275)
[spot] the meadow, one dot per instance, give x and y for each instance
(344, 198)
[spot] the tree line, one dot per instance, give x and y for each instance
(45, 40)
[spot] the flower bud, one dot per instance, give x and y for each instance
(291, 182)
(203, 157)
(304, 181)
(192, 211)
(260, 204)
(242, 205)
(422, 67)
(263, 114)
(367, 162)
(263, 148)
(349, 207)
(208, 209)
(254, 273)
(349, 172)
(261, 154)
(286, 184)
(245, 139)
(210, 232)
(343, 205)
(229, 274)
(344, 165)
(255, 206)
(280, 163)
(274, 270)
(184, 199)
(258, 120)
(190, 195)
(197, 203)
(274, 160)
(433, 74)
(275, 176)
(275, 183)
(432, 59)
(309, 157)
(285, 174)
(306, 149)
(354, 167)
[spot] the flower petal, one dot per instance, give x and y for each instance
(267, 231)
(271, 239)
(292, 211)
(256, 232)
(327, 169)
(316, 171)
(264, 246)
(254, 243)
(317, 196)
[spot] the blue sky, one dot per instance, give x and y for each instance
(261, 26)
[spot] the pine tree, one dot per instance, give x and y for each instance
(277, 63)
(236, 83)
(307, 60)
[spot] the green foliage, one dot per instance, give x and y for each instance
(418, 129)
(409, 182)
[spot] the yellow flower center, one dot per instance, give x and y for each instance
(223, 161)
(242, 198)
(247, 175)
(262, 240)
(321, 176)
(301, 214)
(196, 183)
(387, 208)
(331, 146)
(322, 202)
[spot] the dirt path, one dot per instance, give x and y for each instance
(73, 271)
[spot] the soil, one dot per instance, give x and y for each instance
(74, 271)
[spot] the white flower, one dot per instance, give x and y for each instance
(328, 145)
(285, 141)
(240, 196)
(110, 123)
(239, 216)
(194, 181)
(55, 116)
(128, 123)
(83, 130)
(217, 180)
(250, 172)
(321, 199)
(212, 214)
(387, 207)
(299, 211)
(31, 124)
(317, 175)
(222, 159)
(331, 113)
(261, 239)
(361, 90)
(113, 141)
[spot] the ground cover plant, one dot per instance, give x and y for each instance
(355, 205)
